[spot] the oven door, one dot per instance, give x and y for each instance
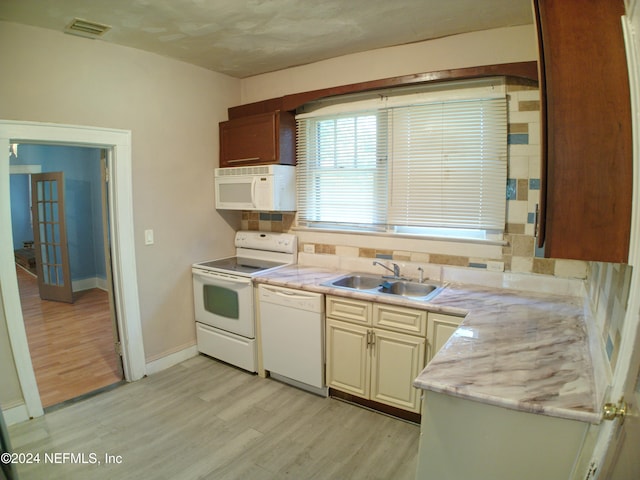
(224, 301)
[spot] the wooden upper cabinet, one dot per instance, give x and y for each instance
(587, 141)
(258, 139)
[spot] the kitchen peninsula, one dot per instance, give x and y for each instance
(515, 380)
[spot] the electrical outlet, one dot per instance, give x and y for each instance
(309, 248)
(495, 266)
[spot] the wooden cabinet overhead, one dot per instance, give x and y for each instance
(587, 142)
(258, 140)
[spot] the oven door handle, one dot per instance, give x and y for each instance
(222, 277)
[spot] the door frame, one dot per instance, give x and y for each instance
(118, 145)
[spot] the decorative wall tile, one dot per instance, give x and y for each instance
(450, 260)
(521, 264)
(544, 266)
(401, 256)
(515, 228)
(373, 253)
(367, 252)
(571, 269)
(518, 128)
(512, 189)
(522, 245)
(517, 211)
(420, 257)
(523, 189)
(529, 106)
(345, 251)
(519, 166)
(325, 249)
(518, 139)
(608, 288)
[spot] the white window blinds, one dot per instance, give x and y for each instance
(342, 170)
(449, 165)
(438, 164)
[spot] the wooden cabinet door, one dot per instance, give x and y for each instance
(348, 366)
(587, 142)
(257, 140)
(396, 359)
(439, 328)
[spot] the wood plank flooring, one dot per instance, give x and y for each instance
(203, 419)
(71, 345)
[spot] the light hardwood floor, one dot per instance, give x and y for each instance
(71, 345)
(203, 419)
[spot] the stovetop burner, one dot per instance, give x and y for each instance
(256, 252)
(240, 264)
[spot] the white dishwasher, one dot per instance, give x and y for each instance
(292, 334)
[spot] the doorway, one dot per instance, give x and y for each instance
(72, 344)
(120, 205)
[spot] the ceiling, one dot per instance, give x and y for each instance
(242, 38)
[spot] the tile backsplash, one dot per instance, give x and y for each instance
(608, 287)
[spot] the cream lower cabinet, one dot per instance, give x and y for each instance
(439, 328)
(466, 439)
(375, 363)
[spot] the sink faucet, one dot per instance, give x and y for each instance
(395, 271)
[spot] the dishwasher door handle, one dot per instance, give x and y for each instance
(291, 294)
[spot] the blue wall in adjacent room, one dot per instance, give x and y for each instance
(83, 203)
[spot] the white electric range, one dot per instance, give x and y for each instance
(224, 300)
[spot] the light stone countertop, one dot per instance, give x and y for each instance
(515, 349)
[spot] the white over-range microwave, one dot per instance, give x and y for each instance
(261, 187)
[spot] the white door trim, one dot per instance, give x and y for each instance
(118, 142)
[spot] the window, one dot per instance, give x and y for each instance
(344, 180)
(415, 165)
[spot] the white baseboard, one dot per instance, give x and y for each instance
(172, 359)
(89, 283)
(15, 415)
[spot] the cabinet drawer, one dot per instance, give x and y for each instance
(400, 319)
(343, 308)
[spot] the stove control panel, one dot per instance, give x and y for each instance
(267, 241)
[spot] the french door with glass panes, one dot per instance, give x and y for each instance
(50, 236)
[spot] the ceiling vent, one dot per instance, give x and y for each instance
(85, 28)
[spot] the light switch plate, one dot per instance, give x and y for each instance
(148, 237)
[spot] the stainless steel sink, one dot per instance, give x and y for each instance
(407, 289)
(381, 286)
(358, 282)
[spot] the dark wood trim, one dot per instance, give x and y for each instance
(526, 72)
(380, 407)
(264, 106)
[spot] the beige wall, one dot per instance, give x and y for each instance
(502, 45)
(172, 110)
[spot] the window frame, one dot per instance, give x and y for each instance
(399, 98)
